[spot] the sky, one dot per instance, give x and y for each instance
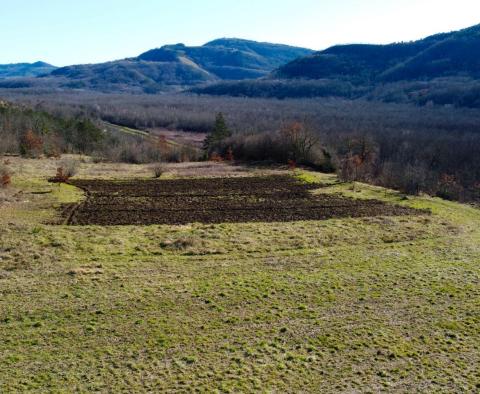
(64, 32)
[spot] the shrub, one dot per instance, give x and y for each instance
(5, 176)
(59, 177)
(158, 170)
(229, 155)
(182, 243)
(67, 169)
(215, 157)
(31, 144)
(182, 154)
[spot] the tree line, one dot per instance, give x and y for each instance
(414, 149)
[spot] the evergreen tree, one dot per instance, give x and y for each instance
(221, 130)
(219, 133)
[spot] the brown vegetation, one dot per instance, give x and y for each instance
(67, 169)
(31, 144)
(158, 170)
(5, 175)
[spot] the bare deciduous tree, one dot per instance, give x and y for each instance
(299, 141)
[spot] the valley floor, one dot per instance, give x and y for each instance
(342, 305)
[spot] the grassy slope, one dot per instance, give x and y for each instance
(339, 305)
(142, 134)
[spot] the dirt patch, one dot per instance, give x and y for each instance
(215, 200)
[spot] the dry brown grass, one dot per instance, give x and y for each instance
(87, 169)
(181, 137)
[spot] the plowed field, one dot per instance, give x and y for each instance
(214, 200)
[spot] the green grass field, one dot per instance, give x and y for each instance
(344, 305)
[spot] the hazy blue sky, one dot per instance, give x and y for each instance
(85, 31)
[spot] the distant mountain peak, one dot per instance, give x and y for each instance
(234, 41)
(42, 64)
(229, 58)
(230, 41)
(18, 70)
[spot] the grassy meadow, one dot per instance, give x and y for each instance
(342, 305)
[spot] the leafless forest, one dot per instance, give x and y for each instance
(433, 149)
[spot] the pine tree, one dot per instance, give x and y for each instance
(219, 133)
(221, 130)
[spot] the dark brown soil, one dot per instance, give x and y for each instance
(214, 200)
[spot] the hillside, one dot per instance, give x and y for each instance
(230, 59)
(130, 75)
(455, 54)
(25, 69)
(442, 55)
(170, 68)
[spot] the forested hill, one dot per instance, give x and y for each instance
(455, 54)
(229, 58)
(443, 69)
(25, 69)
(170, 68)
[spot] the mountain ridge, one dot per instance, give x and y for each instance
(439, 55)
(171, 68)
(440, 69)
(16, 70)
(229, 58)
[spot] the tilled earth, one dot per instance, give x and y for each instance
(214, 200)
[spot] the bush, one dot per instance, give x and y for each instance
(65, 171)
(182, 154)
(31, 144)
(5, 176)
(158, 170)
(69, 167)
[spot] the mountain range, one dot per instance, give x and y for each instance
(443, 68)
(171, 67)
